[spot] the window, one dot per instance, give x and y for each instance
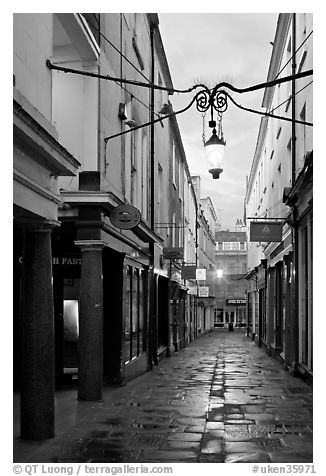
(144, 175)
(160, 92)
(279, 168)
(287, 105)
(133, 312)
(271, 156)
(279, 132)
(180, 179)
(303, 136)
(160, 197)
(174, 165)
(138, 53)
(93, 21)
(242, 245)
(302, 60)
(74, 110)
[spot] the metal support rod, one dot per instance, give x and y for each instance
(172, 90)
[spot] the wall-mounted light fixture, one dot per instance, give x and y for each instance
(219, 273)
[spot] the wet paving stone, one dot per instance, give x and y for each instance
(212, 425)
(238, 422)
(185, 445)
(241, 447)
(213, 446)
(185, 437)
(248, 458)
(220, 399)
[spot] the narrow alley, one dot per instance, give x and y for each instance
(220, 399)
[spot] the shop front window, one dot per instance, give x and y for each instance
(134, 312)
(127, 313)
(70, 325)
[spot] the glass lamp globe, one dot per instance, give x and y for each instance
(214, 149)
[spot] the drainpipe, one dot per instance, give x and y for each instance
(152, 343)
(122, 150)
(295, 323)
(152, 143)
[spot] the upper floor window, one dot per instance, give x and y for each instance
(174, 164)
(278, 132)
(302, 60)
(93, 21)
(231, 246)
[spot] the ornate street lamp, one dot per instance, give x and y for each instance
(215, 146)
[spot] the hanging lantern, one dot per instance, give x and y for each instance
(214, 148)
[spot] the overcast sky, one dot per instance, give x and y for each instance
(209, 48)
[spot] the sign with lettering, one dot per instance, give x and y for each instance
(125, 217)
(201, 274)
(62, 260)
(175, 252)
(188, 272)
(203, 291)
(266, 231)
(236, 302)
(192, 291)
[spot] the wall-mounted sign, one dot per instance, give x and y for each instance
(175, 252)
(203, 291)
(192, 291)
(188, 272)
(266, 231)
(201, 274)
(71, 260)
(236, 302)
(125, 217)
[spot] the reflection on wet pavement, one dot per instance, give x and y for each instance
(221, 399)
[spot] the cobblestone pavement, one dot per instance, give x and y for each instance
(221, 399)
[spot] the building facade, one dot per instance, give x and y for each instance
(231, 285)
(279, 191)
(98, 203)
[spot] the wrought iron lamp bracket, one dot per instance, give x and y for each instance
(213, 100)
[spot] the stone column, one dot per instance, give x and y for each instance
(37, 333)
(90, 370)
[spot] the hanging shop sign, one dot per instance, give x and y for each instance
(236, 302)
(175, 252)
(266, 231)
(125, 217)
(201, 274)
(176, 276)
(188, 272)
(192, 290)
(203, 291)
